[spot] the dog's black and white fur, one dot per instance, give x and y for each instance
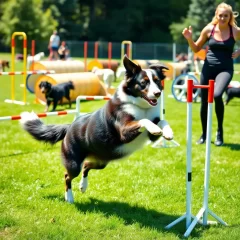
(56, 93)
(115, 131)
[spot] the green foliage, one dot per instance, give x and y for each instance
(26, 16)
(138, 21)
(176, 30)
(67, 14)
(200, 13)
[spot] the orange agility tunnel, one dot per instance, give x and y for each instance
(174, 66)
(57, 66)
(143, 63)
(85, 83)
(113, 64)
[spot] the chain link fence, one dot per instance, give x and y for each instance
(145, 51)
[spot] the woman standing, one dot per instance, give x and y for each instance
(221, 34)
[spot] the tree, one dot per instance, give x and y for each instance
(200, 13)
(67, 14)
(26, 16)
(138, 21)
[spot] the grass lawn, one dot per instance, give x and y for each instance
(130, 199)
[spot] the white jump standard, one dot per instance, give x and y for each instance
(202, 215)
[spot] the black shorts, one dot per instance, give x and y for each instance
(62, 56)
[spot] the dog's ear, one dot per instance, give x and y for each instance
(160, 69)
(131, 67)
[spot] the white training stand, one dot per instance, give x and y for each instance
(162, 142)
(202, 215)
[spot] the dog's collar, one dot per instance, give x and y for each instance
(51, 99)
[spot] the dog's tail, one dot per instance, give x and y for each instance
(37, 129)
(71, 86)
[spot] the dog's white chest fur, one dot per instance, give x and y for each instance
(142, 139)
(142, 113)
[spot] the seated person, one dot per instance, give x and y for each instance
(63, 51)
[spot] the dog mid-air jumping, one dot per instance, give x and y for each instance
(123, 125)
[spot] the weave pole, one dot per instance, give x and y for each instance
(204, 211)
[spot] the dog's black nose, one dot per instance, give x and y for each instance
(157, 94)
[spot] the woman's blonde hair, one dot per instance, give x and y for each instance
(233, 15)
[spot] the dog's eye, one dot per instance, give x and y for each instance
(143, 83)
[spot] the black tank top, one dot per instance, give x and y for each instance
(219, 53)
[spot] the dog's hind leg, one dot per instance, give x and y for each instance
(69, 176)
(68, 189)
(72, 161)
(87, 166)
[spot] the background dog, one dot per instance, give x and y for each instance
(35, 58)
(106, 75)
(231, 93)
(123, 125)
(55, 93)
(3, 65)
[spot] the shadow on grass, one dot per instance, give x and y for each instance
(48, 147)
(146, 218)
(232, 146)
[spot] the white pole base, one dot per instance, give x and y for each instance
(163, 143)
(197, 219)
(15, 102)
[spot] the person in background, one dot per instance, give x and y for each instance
(221, 34)
(53, 46)
(63, 51)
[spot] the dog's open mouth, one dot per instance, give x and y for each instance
(152, 102)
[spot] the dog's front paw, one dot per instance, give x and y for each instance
(167, 133)
(155, 130)
(150, 127)
(83, 184)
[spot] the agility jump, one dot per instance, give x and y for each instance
(60, 113)
(204, 211)
(23, 34)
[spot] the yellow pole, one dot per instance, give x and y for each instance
(24, 64)
(122, 49)
(13, 68)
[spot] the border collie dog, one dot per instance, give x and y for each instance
(123, 125)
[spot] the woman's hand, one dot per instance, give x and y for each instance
(236, 54)
(187, 32)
